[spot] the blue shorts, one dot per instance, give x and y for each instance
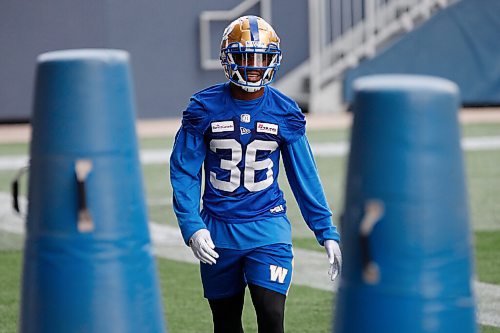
(267, 266)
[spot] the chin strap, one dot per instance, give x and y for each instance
(240, 82)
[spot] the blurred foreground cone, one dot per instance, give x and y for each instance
(407, 246)
(88, 265)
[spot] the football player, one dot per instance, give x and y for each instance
(237, 131)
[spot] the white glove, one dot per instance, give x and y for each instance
(334, 257)
(202, 245)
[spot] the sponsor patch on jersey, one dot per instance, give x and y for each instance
(267, 128)
(277, 209)
(245, 118)
(222, 126)
(244, 131)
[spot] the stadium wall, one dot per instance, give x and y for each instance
(161, 36)
(459, 43)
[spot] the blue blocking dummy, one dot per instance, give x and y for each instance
(88, 264)
(407, 246)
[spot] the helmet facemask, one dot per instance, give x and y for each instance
(250, 64)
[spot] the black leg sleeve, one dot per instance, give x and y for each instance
(226, 313)
(270, 308)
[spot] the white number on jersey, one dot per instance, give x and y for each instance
(251, 165)
(231, 165)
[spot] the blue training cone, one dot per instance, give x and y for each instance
(407, 246)
(88, 264)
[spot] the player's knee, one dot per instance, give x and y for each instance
(226, 313)
(231, 305)
(270, 308)
(270, 319)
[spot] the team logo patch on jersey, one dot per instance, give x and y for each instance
(245, 118)
(222, 126)
(267, 128)
(278, 274)
(244, 131)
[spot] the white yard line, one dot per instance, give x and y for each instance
(325, 149)
(310, 267)
(154, 128)
(13, 162)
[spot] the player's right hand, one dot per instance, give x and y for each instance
(203, 247)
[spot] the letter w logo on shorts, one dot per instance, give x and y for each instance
(278, 273)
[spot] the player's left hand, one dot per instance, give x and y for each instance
(334, 257)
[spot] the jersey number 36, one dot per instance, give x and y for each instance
(251, 165)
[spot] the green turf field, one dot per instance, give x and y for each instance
(308, 309)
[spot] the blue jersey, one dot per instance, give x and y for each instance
(239, 143)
